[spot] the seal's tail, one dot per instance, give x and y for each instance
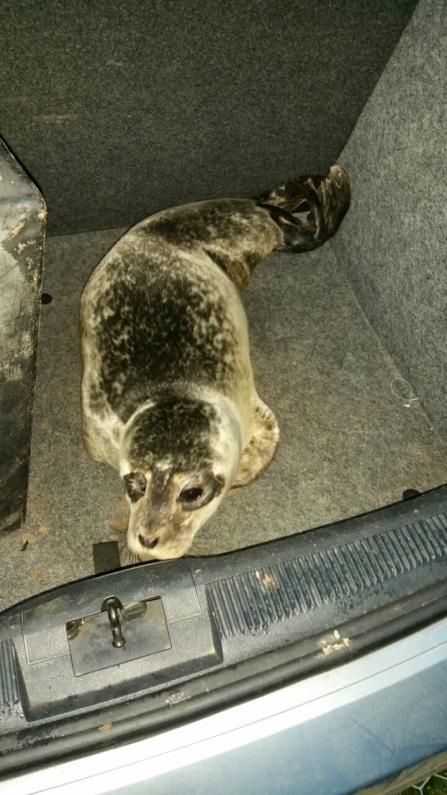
(324, 201)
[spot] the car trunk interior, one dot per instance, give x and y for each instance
(348, 443)
(131, 107)
(347, 342)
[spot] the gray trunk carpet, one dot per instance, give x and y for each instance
(348, 443)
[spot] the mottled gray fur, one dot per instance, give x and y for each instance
(168, 396)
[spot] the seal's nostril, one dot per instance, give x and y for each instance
(149, 543)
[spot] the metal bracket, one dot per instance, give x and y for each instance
(117, 634)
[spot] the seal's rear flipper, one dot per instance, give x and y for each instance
(325, 200)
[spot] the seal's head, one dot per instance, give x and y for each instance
(178, 458)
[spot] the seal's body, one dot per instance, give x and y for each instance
(168, 396)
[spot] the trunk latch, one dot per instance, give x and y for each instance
(118, 633)
(113, 606)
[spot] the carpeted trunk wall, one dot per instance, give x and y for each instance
(393, 242)
(118, 108)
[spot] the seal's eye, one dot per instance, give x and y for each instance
(135, 485)
(190, 495)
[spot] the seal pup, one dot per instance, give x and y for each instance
(168, 396)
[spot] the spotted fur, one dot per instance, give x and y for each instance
(168, 396)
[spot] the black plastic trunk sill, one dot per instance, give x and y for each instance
(74, 737)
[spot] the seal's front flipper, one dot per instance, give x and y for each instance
(261, 448)
(325, 200)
